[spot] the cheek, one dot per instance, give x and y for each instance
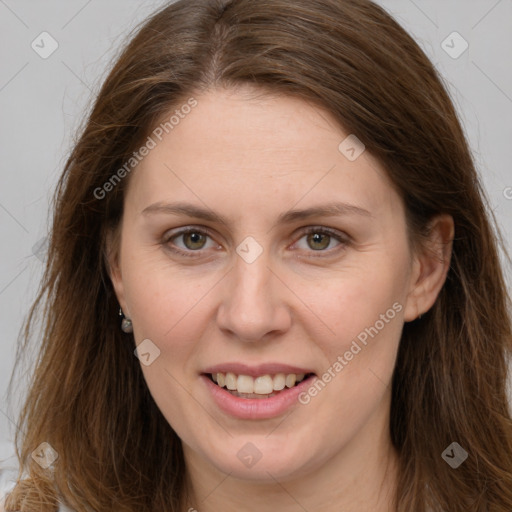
(166, 308)
(364, 311)
(166, 304)
(349, 302)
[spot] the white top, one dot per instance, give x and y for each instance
(9, 474)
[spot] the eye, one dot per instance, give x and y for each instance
(318, 239)
(194, 240)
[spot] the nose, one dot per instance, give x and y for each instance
(254, 306)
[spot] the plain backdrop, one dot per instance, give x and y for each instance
(42, 101)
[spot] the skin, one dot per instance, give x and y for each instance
(251, 157)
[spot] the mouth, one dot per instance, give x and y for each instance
(257, 387)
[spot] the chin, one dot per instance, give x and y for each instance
(258, 459)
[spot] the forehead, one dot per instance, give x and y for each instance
(260, 150)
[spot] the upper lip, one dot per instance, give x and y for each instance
(256, 370)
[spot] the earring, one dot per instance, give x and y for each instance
(126, 323)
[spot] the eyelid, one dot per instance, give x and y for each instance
(343, 238)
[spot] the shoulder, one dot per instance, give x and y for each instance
(9, 475)
(7, 484)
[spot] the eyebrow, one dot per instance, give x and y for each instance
(191, 210)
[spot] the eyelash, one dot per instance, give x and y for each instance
(342, 238)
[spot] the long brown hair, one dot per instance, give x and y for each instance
(88, 398)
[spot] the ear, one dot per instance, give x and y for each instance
(430, 267)
(113, 263)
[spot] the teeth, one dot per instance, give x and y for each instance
(279, 381)
(290, 380)
(262, 385)
(245, 384)
(231, 380)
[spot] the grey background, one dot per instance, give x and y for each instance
(42, 102)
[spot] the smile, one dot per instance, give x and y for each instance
(255, 393)
(263, 386)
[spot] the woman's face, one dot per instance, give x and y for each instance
(256, 297)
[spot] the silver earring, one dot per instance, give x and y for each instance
(126, 323)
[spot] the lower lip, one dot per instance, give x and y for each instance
(256, 408)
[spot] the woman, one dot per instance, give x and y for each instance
(279, 200)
